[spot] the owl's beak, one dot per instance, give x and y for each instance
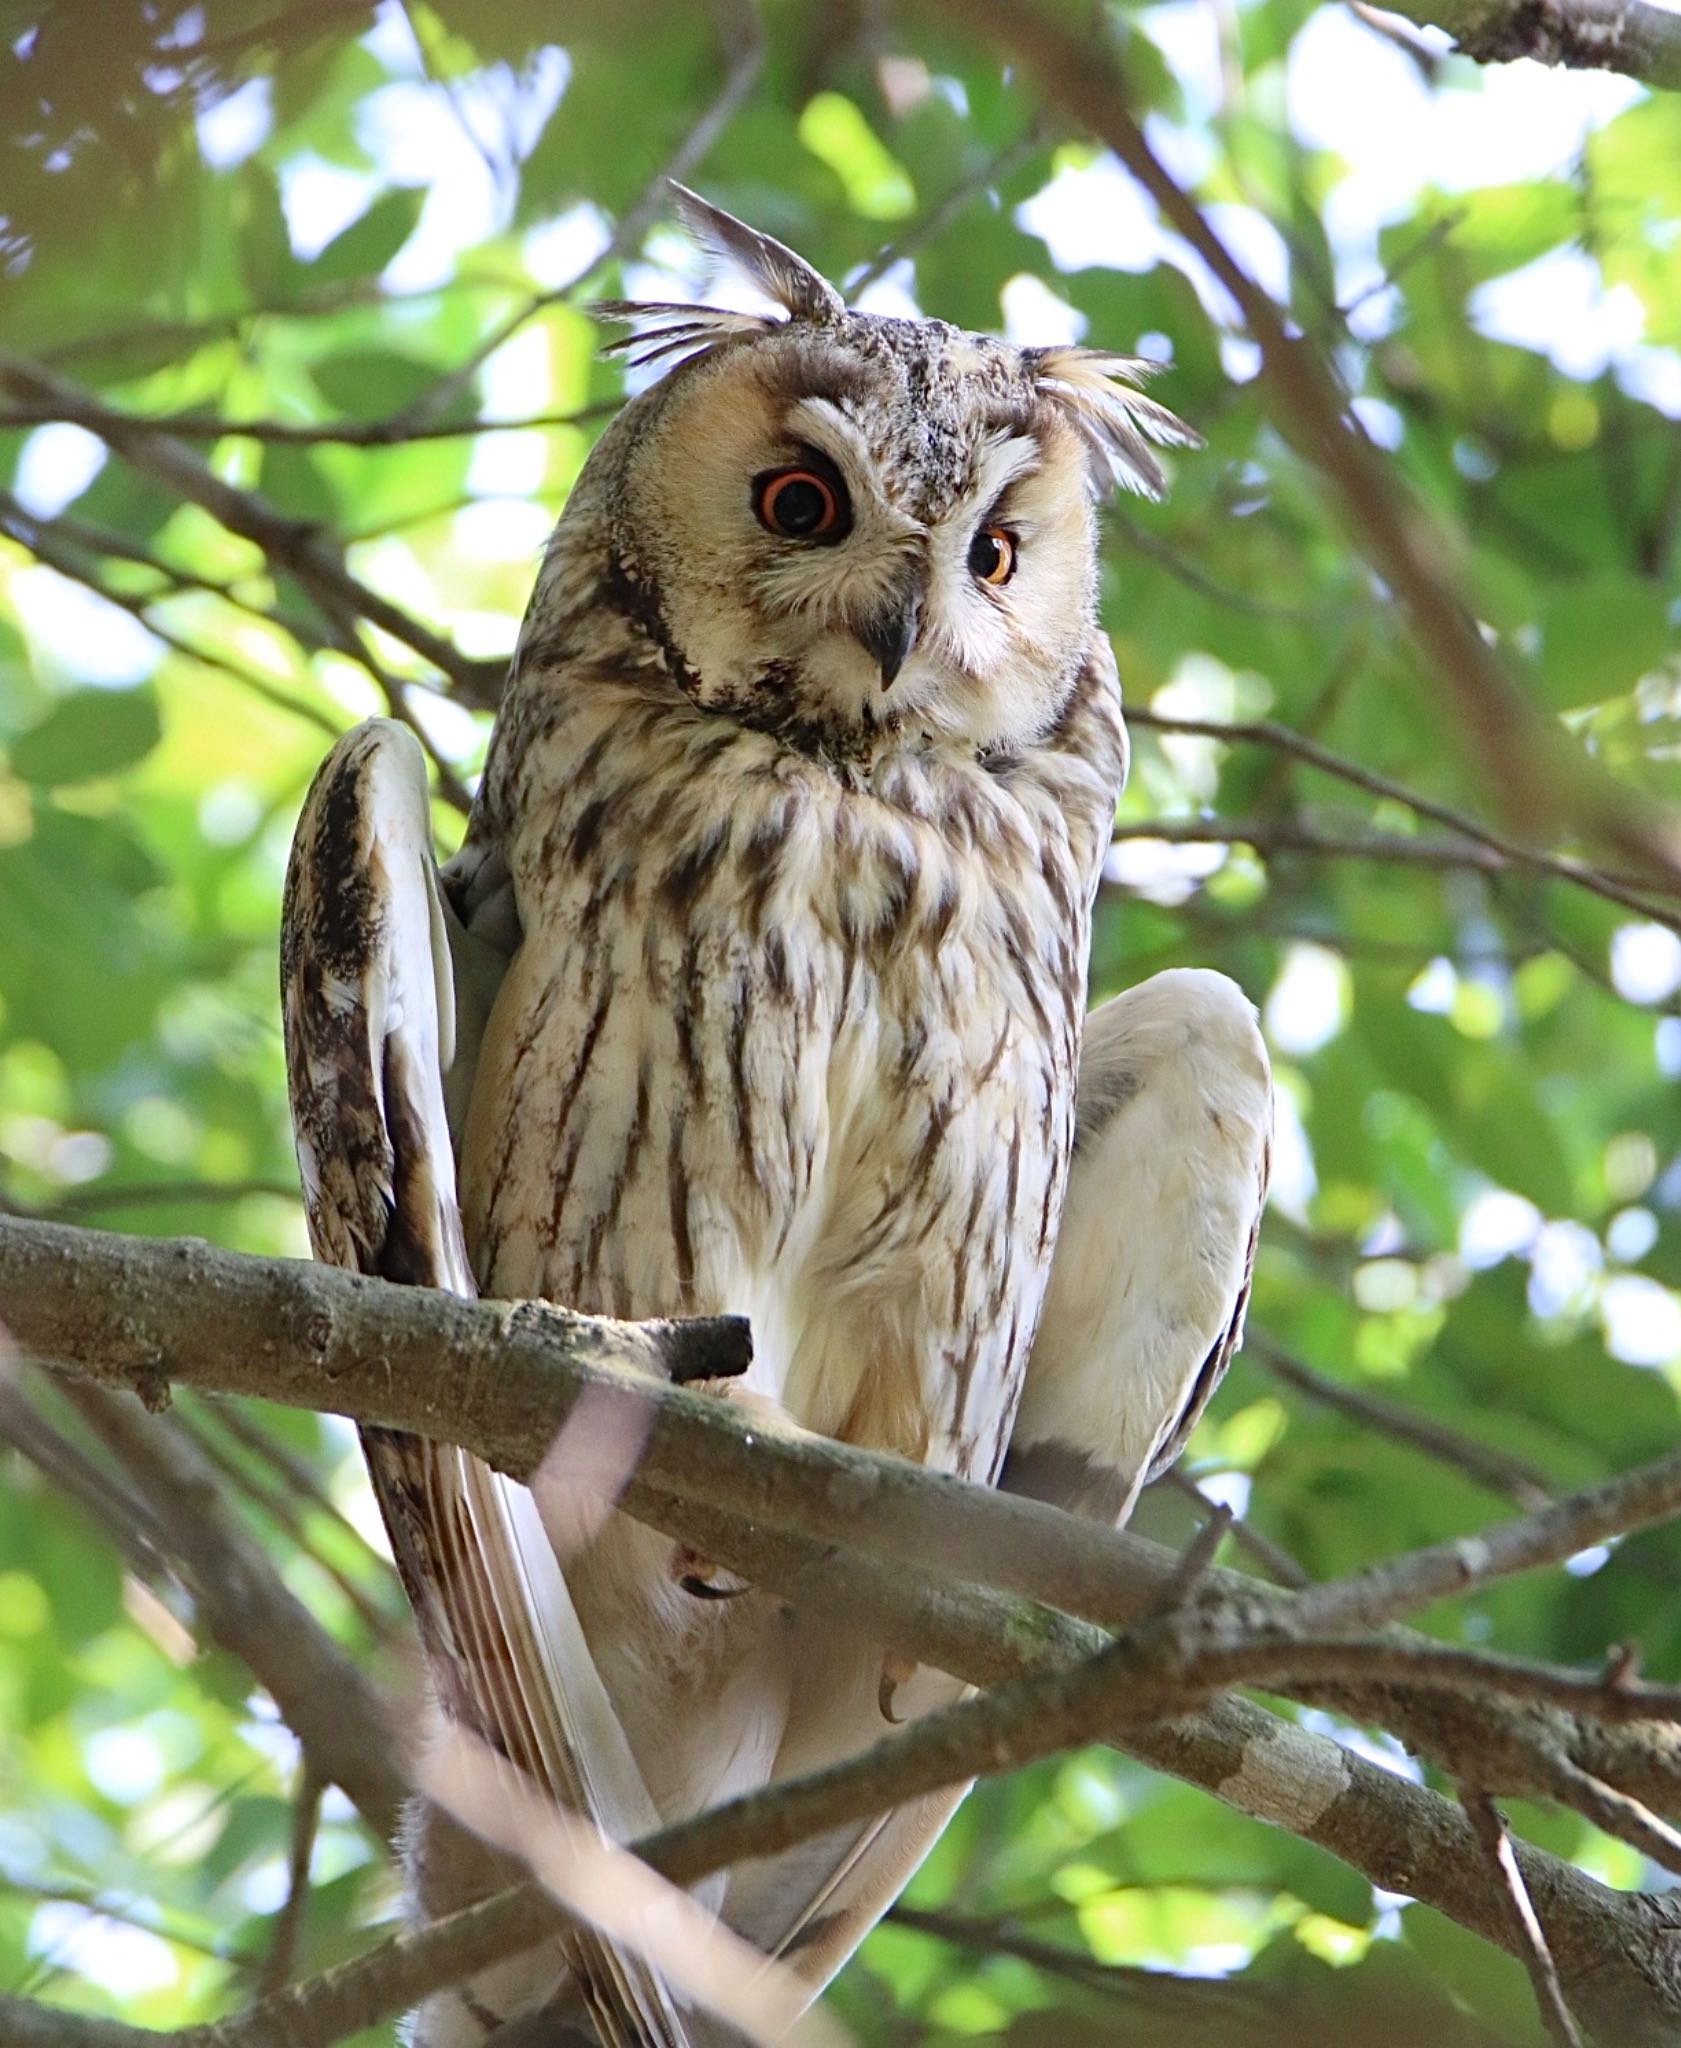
(891, 634)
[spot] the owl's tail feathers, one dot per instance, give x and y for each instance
(368, 1004)
(1150, 1281)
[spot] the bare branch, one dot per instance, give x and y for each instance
(280, 1505)
(501, 1381)
(948, 208)
(98, 1197)
(1630, 36)
(1265, 733)
(1533, 768)
(1289, 835)
(132, 1309)
(1272, 1558)
(1633, 1500)
(39, 537)
(1497, 1470)
(344, 1726)
(1496, 1845)
(395, 431)
(741, 38)
(278, 1964)
(295, 546)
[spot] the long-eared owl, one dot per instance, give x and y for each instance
(759, 985)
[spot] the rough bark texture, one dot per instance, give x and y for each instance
(899, 1549)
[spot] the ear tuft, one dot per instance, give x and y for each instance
(682, 332)
(787, 278)
(663, 329)
(1097, 393)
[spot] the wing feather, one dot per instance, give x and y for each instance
(1156, 1252)
(368, 1000)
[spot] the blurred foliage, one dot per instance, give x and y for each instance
(313, 215)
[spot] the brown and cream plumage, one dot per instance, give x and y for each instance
(758, 986)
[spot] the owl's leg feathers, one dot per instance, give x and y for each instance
(698, 1575)
(1153, 1261)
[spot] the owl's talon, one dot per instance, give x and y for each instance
(895, 1671)
(701, 1579)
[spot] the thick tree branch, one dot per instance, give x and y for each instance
(1641, 41)
(502, 1380)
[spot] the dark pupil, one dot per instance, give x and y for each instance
(986, 551)
(799, 507)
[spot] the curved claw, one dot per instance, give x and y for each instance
(701, 1579)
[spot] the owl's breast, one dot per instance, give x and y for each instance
(776, 1047)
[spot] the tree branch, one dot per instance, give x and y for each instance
(135, 1311)
(1534, 769)
(1497, 1470)
(1496, 1845)
(341, 1721)
(1283, 739)
(1641, 41)
(1286, 835)
(502, 1381)
(394, 431)
(292, 545)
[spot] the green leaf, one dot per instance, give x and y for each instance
(369, 383)
(1599, 636)
(365, 247)
(88, 733)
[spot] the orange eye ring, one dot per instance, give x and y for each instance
(992, 556)
(800, 504)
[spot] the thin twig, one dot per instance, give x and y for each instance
(281, 1959)
(949, 207)
(342, 1723)
(1596, 1514)
(395, 431)
(1489, 1826)
(298, 1475)
(296, 546)
(278, 1503)
(741, 38)
(1198, 1556)
(1139, 539)
(1273, 1559)
(1532, 767)
(38, 538)
(1497, 1470)
(1264, 732)
(1270, 837)
(99, 1197)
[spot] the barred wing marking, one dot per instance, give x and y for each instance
(368, 1003)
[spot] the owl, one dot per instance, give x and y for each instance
(759, 985)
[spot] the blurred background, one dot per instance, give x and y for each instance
(343, 256)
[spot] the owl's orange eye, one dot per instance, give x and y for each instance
(800, 504)
(992, 555)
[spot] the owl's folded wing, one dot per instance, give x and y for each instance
(1150, 1282)
(369, 1002)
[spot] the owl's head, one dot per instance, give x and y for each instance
(843, 527)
